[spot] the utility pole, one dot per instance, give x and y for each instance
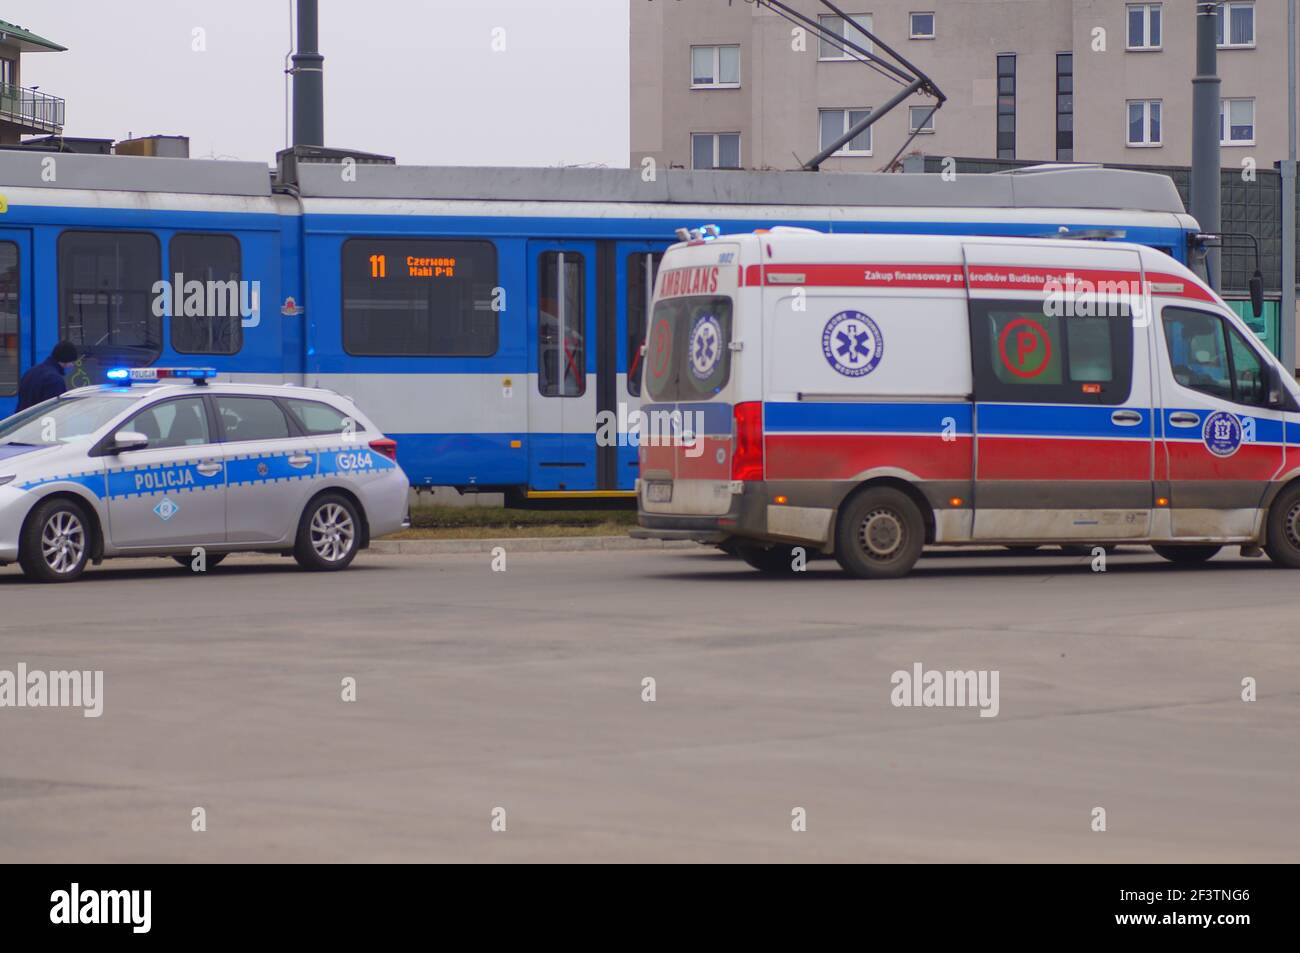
(1206, 186)
(1286, 320)
(308, 80)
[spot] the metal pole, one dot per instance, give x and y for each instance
(815, 162)
(308, 80)
(1206, 185)
(1286, 322)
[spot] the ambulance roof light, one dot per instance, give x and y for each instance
(150, 375)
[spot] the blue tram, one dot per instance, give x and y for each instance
(489, 319)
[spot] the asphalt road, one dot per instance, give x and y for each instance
(523, 690)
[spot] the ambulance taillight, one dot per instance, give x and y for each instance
(747, 457)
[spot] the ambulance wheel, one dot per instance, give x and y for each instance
(880, 534)
(1283, 546)
(328, 534)
(1187, 555)
(211, 562)
(777, 560)
(56, 542)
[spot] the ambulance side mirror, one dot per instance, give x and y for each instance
(127, 440)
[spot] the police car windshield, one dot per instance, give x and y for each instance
(687, 357)
(64, 420)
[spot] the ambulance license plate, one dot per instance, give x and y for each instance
(659, 492)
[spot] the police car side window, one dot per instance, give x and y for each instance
(317, 418)
(174, 423)
(251, 418)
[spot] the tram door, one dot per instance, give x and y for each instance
(637, 266)
(563, 383)
(17, 347)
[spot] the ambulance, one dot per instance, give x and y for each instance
(866, 396)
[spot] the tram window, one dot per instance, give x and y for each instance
(10, 332)
(642, 269)
(561, 325)
(420, 297)
(210, 324)
(106, 295)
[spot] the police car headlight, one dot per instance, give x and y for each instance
(7, 478)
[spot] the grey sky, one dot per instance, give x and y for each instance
(413, 78)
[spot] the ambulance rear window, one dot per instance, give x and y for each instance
(687, 355)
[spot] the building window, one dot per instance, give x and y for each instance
(419, 297)
(106, 295)
(1144, 27)
(922, 26)
(715, 150)
(561, 324)
(1064, 107)
(828, 49)
(1144, 122)
(715, 67)
(836, 122)
(1237, 122)
(8, 71)
(212, 325)
(1007, 106)
(10, 328)
(1236, 25)
(642, 269)
(920, 119)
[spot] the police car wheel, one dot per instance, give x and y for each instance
(209, 561)
(1283, 546)
(328, 534)
(1187, 555)
(880, 534)
(56, 542)
(778, 560)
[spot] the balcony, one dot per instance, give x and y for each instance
(31, 109)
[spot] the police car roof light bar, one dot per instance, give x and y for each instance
(129, 375)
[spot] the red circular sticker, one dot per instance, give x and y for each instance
(1026, 343)
(661, 347)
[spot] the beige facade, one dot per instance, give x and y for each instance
(784, 81)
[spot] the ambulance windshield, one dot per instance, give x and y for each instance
(687, 355)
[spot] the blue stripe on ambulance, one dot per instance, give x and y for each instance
(874, 417)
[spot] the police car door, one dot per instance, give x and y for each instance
(173, 492)
(1222, 436)
(270, 468)
(1063, 407)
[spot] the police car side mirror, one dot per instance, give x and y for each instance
(125, 440)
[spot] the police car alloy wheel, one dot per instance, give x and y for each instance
(329, 534)
(1283, 545)
(880, 534)
(56, 542)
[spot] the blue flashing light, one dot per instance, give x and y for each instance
(154, 374)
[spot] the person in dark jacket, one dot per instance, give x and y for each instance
(46, 379)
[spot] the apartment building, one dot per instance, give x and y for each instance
(719, 84)
(24, 110)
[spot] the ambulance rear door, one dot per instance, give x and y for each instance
(685, 426)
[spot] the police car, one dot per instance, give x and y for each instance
(162, 460)
(863, 396)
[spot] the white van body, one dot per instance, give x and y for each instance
(1015, 391)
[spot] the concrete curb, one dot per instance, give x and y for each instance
(524, 544)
